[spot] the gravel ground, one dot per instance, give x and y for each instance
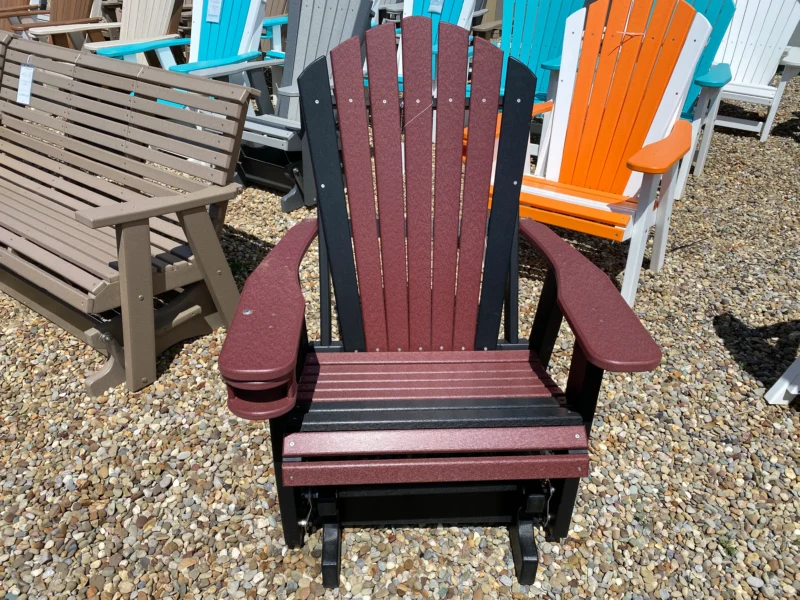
(694, 487)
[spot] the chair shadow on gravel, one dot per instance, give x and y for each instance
(789, 129)
(244, 253)
(764, 352)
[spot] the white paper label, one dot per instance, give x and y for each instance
(213, 11)
(25, 83)
(436, 6)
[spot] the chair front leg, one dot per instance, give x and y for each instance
(136, 294)
(638, 237)
(788, 73)
(663, 215)
(707, 129)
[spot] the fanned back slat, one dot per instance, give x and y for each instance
(385, 104)
(719, 14)
(487, 65)
(70, 10)
(417, 125)
(451, 83)
(356, 156)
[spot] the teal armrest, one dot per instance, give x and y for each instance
(717, 76)
(554, 64)
(127, 50)
(275, 54)
(272, 21)
(219, 62)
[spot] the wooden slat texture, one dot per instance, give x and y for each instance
(509, 439)
(417, 125)
(385, 109)
(420, 470)
(356, 157)
(487, 65)
(451, 83)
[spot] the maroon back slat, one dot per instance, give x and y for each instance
(418, 128)
(487, 66)
(385, 105)
(450, 96)
(356, 156)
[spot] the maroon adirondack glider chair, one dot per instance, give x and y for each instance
(420, 414)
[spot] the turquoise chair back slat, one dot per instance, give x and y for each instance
(720, 14)
(451, 9)
(533, 31)
(223, 39)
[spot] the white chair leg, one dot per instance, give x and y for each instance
(663, 215)
(708, 132)
(639, 231)
(788, 73)
(787, 387)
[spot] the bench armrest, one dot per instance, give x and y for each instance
(26, 26)
(658, 157)
(259, 357)
(126, 212)
(607, 330)
(718, 76)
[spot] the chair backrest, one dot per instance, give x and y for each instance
(626, 68)
(533, 31)
(4, 4)
(719, 14)
(316, 26)
(71, 10)
(757, 37)
(236, 32)
(142, 19)
(437, 279)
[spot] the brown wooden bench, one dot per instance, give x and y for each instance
(114, 184)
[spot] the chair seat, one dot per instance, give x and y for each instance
(749, 92)
(579, 209)
(39, 227)
(427, 390)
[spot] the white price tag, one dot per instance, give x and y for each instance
(436, 6)
(213, 11)
(25, 84)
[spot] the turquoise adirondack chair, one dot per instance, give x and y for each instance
(705, 92)
(223, 33)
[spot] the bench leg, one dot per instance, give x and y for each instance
(136, 292)
(288, 497)
(331, 554)
(211, 261)
(523, 548)
(111, 374)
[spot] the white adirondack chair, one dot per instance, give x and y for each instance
(140, 19)
(754, 47)
(787, 388)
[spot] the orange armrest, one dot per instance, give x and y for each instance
(259, 356)
(541, 108)
(26, 26)
(658, 157)
(605, 327)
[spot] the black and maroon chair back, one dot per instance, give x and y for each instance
(423, 412)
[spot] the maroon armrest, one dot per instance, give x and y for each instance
(259, 356)
(605, 327)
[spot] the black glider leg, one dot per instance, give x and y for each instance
(288, 497)
(331, 554)
(523, 548)
(562, 504)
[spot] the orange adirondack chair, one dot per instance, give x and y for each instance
(615, 133)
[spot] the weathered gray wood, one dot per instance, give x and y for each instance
(136, 290)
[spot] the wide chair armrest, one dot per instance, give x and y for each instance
(217, 62)
(489, 27)
(607, 330)
(26, 26)
(273, 21)
(791, 57)
(44, 31)
(554, 64)
(138, 210)
(238, 67)
(658, 157)
(22, 11)
(718, 76)
(97, 46)
(259, 357)
(142, 46)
